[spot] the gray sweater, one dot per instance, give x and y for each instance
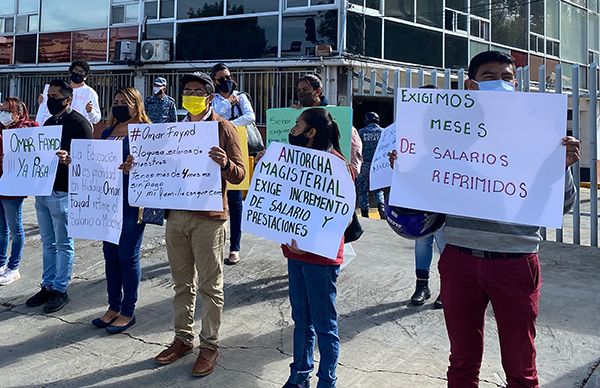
(497, 236)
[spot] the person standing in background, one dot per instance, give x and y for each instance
(369, 135)
(159, 106)
(235, 107)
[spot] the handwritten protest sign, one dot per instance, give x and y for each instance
(42, 113)
(301, 194)
(172, 169)
(488, 155)
(245, 184)
(281, 120)
(30, 161)
(96, 190)
(380, 174)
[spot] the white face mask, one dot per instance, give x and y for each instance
(6, 118)
(156, 89)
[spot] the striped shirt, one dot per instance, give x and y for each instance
(498, 236)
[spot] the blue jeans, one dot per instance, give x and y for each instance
(424, 249)
(57, 246)
(234, 201)
(312, 291)
(362, 186)
(122, 264)
(11, 219)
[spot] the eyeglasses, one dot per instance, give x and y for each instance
(195, 92)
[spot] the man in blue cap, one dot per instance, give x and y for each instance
(160, 107)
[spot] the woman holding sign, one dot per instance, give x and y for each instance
(313, 278)
(13, 114)
(122, 262)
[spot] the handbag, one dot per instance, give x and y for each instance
(149, 215)
(354, 230)
(255, 141)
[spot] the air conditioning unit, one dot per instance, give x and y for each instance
(126, 50)
(155, 50)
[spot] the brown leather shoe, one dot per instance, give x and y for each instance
(205, 363)
(176, 350)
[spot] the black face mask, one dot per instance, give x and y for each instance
(77, 78)
(55, 105)
(298, 140)
(306, 99)
(121, 113)
(226, 86)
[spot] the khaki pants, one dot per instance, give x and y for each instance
(195, 250)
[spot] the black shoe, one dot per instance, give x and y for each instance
(364, 213)
(422, 293)
(438, 303)
(40, 298)
(305, 384)
(57, 301)
(381, 210)
(119, 329)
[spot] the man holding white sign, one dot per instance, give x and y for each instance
(489, 261)
(52, 209)
(195, 239)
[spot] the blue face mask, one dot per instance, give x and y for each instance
(496, 85)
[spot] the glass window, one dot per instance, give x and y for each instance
(60, 15)
(478, 47)
(552, 18)
(190, 9)
(251, 6)
(300, 34)
(151, 9)
(160, 31)
(33, 22)
(131, 13)
(55, 47)
(481, 8)
(537, 17)
(594, 32)
(118, 15)
(7, 8)
(321, 2)
(573, 30)
(402, 9)
(254, 37)
(22, 23)
(167, 9)
(509, 25)
(297, 3)
(358, 2)
(6, 50)
(1, 27)
(25, 48)
(374, 4)
(456, 51)
(90, 45)
(429, 12)
(9, 25)
(28, 6)
(459, 5)
(370, 43)
(427, 52)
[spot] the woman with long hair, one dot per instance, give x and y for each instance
(122, 261)
(13, 114)
(313, 278)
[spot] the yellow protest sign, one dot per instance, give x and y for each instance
(245, 184)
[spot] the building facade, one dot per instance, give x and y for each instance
(270, 43)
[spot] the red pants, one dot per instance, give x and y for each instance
(512, 285)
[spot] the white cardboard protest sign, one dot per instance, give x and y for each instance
(172, 169)
(380, 174)
(30, 162)
(301, 194)
(488, 155)
(42, 113)
(96, 190)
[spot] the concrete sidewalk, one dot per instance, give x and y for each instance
(385, 342)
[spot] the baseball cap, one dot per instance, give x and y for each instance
(200, 77)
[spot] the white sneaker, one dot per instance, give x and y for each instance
(9, 276)
(3, 269)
